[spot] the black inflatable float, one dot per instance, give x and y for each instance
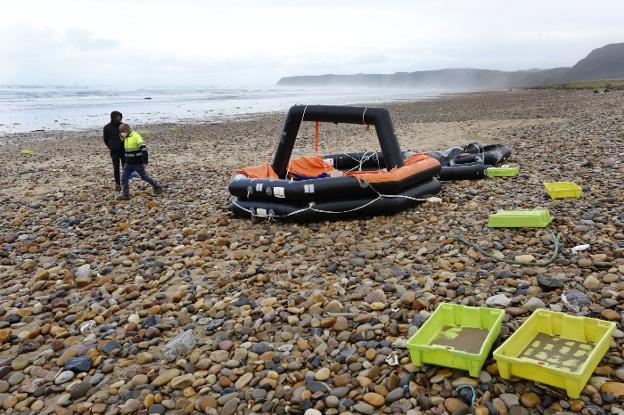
(339, 185)
(470, 162)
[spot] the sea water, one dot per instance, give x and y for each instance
(26, 108)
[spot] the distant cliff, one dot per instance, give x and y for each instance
(604, 63)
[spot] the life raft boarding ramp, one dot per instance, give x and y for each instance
(268, 190)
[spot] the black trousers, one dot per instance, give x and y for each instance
(118, 158)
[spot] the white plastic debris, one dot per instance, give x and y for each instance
(392, 360)
(580, 248)
(434, 199)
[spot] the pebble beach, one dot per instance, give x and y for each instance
(168, 304)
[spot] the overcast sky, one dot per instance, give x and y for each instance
(254, 43)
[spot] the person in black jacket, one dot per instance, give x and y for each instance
(115, 145)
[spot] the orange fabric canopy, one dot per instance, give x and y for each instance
(309, 166)
(412, 165)
(315, 166)
(261, 171)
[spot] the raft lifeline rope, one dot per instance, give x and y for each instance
(553, 257)
(473, 400)
(365, 157)
(311, 207)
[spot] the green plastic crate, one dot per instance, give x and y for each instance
(456, 336)
(562, 190)
(520, 218)
(555, 349)
(508, 171)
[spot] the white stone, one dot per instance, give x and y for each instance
(498, 300)
(180, 345)
(83, 271)
(64, 376)
(534, 303)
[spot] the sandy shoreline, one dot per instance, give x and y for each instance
(281, 313)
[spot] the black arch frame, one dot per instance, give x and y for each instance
(379, 117)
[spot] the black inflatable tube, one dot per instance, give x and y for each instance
(378, 117)
(330, 188)
(340, 209)
(462, 172)
(495, 154)
(351, 160)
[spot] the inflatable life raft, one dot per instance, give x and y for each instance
(339, 185)
(470, 162)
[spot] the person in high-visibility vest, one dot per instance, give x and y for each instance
(136, 159)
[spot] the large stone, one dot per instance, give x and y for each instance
(138, 380)
(364, 408)
(376, 296)
(111, 346)
(63, 377)
(230, 407)
(157, 409)
(83, 271)
(394, 395)
(181, 382)
(78, 364)
(144, 357)
(20, 362)
(614, 388)
(79, 390)
(131, 406)
(207, 402)
(165, 377)
(525, 259)
(530, 400)
(180, 345)
(322, 374)
(374, 399)
(548, 283)
(453, 404)
(609, 314)
(534, 303)
(499, 300)
(510, 399)
(591, 283)
(243, 380)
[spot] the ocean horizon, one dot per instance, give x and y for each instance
(26, 108)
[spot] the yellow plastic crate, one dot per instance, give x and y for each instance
(520, 218)
(562, 190)
(504, 171)
(555, 349)
(456, 336)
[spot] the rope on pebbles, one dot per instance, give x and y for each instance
(549, 261)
